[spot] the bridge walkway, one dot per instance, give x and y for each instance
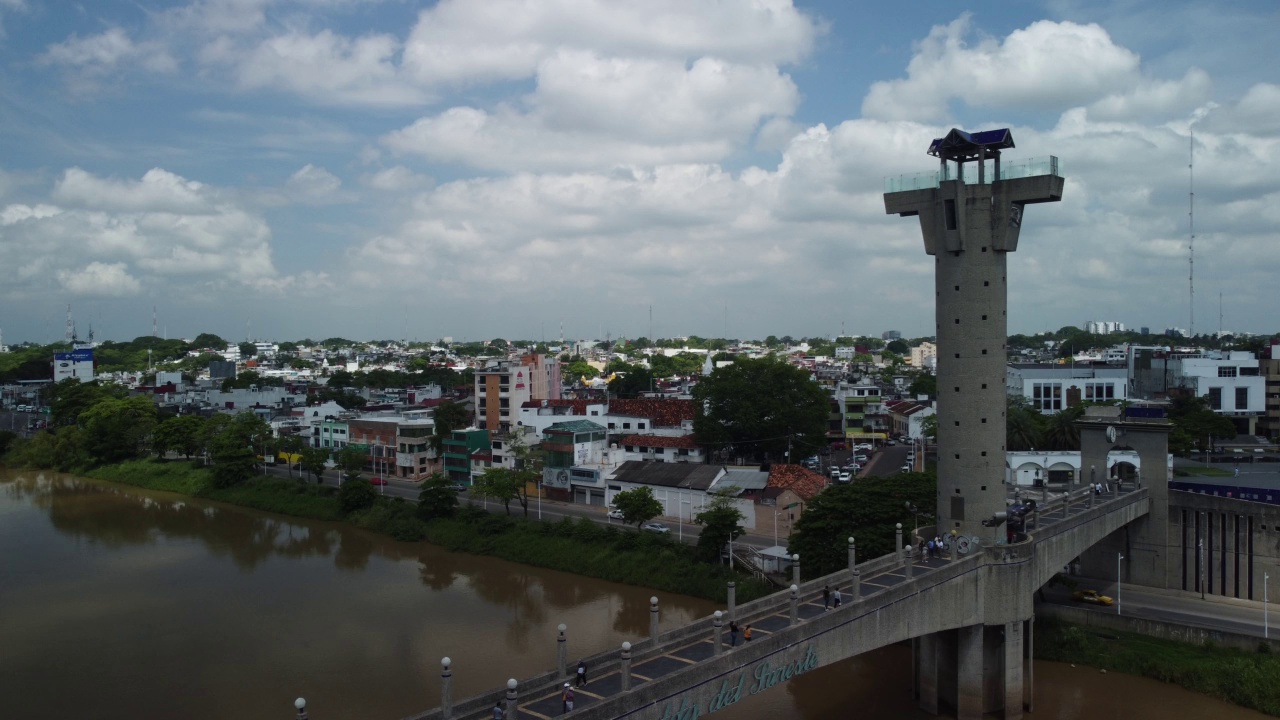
(766, 618)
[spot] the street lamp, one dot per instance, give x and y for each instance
(680, 516)
(1119, 557)
(1265, 626)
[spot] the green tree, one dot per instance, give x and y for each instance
(234, 460)
(208, 341)
(500, 484)
(248, 349)
(925, 384)
(449, 416)
(1059, 430)
(929, 427)
(352, 461)
(314, 462)
(866, 511)
(116, 430)
(638, 505)
(71, 397)
(356, 494)
(1196, 424)
(760, 407)
(721, 522)
(180, 433)
(631, 381)
(437, 499)
(580, 369)
(1022, 425)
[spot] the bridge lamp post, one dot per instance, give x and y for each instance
(1119, 557)
(1265, 626)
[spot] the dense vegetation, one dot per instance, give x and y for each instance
(760, 408)
(866, 510)
(1247, 679)
(581, 546)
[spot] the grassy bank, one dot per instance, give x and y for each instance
(581, 547)
(1246, 679)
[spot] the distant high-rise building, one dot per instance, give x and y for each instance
(890, 335)
(1103, 327)
(1145, 330)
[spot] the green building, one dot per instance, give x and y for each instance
(458, 449)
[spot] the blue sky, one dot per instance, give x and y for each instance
(380, 169)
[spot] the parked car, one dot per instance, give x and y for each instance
(655, 527)
(860, 457)
(844, 477)
(616, 514)
(375, 480)
(905, 468)
(835, 472)
(890, 441)
(1092, 596)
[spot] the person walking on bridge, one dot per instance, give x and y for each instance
(498, 712)
(826, 596)
(566, 698)
(733, 634)
(582, 673)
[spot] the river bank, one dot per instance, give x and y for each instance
(581, 547)
(1247, 679)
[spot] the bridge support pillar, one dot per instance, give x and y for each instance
(1029, 667)
(969, 680)
(1013, 682)
(927, 672)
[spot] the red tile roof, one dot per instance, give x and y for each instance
(662, 441)
(664, 412)
(904, 407)
(797, 478)
(579, 406)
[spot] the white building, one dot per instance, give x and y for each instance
(1051, 388)
(1031, 468)
(1230, 381)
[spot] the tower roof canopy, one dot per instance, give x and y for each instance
(960, 146)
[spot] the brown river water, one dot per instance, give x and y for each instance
(117, 602)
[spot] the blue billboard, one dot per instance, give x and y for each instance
(84, 355)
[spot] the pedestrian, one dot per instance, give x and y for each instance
(928, 553)
(566, 698)
(746, 633)
(1237, 472)
(733, 634)
(826, 596)
(498, 713)
(582, 673)
(835, 597)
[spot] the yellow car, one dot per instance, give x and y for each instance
(1092, 596)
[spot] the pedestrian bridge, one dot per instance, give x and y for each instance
(969, 619)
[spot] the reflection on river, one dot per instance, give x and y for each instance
(123, 603)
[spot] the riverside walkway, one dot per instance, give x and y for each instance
(666, 676)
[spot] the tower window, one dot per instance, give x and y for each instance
(986, 283)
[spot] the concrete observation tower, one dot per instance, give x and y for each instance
(969, 226)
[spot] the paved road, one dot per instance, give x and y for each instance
(1213, 612)
(888, 461)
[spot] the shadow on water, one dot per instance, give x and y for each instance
(119, 516)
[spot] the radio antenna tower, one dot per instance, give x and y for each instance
(155, 329)
(1191, 225)
(71, 326)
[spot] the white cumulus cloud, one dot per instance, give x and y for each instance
(101, 279)
(1047, 65)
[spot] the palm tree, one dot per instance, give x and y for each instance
(1061, 432)
(1022, 425)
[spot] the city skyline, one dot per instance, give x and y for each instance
(400, 170)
